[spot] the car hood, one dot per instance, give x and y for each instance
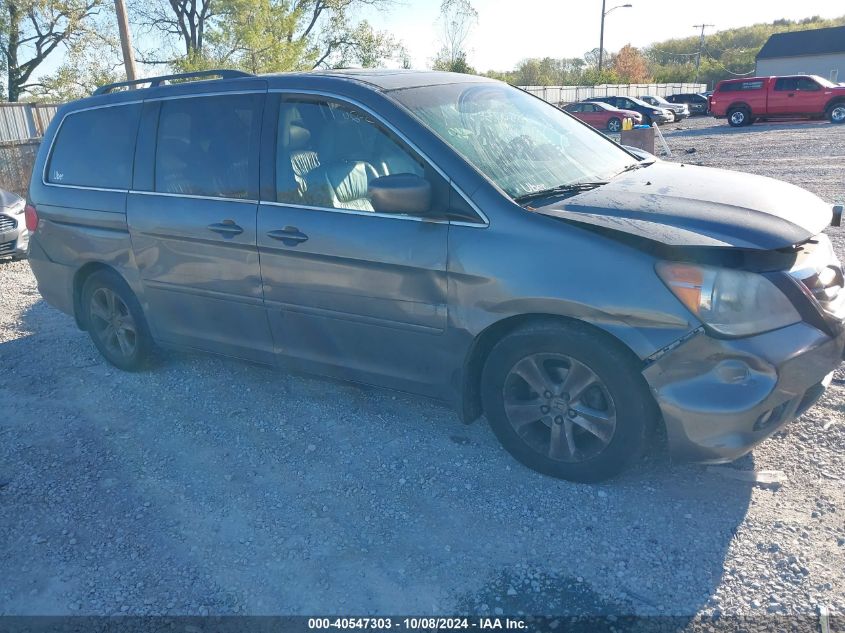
(9, 199)
(683, 205)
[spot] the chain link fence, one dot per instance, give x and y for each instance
(16, 160)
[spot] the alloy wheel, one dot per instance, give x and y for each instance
(112, 323)
(614, 125)
(738, 117)
(837, 115)
(559, 407)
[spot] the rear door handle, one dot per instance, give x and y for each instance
(289, 235)
(226, 228)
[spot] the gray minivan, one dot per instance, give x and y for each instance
(446, 235)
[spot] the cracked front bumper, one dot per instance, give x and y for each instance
(719, 398)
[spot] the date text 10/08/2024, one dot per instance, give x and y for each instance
(384, 623)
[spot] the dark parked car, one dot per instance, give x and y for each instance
(680, 110)
(697, 104)
(650, 113)
(13, 234)
(447, 235)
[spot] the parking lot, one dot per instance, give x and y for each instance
(208, 485)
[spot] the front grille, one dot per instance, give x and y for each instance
(7, 223)
(7, 248)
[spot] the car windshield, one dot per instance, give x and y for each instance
(521, 143)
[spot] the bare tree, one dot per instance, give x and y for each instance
(457, 17)
(30, 30)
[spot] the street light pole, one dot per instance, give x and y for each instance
(601, 35)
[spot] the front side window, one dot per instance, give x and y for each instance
(95, 148)
(328, 153)
(521, 143)
(207, 146)
(786, 84)
(807, 84)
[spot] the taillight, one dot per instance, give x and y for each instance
(31, 217)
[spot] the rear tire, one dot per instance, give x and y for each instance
(836, 113)
(739, 117)
(614, 125)
(583, 434)
(115, 321)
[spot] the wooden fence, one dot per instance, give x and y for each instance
(16, 160)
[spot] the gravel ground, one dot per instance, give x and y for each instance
(212, 486)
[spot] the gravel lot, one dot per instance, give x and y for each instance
(212, 486)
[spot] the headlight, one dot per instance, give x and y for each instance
(730, 302)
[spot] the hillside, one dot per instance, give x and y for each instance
(726, 53)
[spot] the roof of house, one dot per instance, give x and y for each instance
(810, 42)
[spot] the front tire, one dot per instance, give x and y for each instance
(566, 402)
(614, 125)
(836, 113)
(739, 117)
(115, 321)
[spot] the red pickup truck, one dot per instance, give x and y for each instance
(743, 101)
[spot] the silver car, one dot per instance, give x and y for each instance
(447, 235)
(14, 238)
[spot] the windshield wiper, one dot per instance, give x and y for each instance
(577, 187)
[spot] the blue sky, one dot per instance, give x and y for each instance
(510, 30)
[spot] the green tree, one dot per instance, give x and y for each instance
(265, 35)
(32, 30)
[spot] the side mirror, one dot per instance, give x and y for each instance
(400, 193)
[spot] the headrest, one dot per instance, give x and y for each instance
(347, 140)
(293, 134)
(298, 137)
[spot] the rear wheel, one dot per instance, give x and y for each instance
(115, 321)
(836, 113)
(614, 125)
(739, 117)
(565, 402)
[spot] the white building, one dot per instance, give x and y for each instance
(814, 52)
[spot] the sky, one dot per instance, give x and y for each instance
(508, 31)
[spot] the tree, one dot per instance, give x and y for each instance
(265, 35)
(457, 18)
(92, 60)
(630, 66)
(31, 30)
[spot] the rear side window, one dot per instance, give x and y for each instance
(94, 148)
(207, 146)
(741, 85)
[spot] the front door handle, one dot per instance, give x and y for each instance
(289, 235)
(226, 228)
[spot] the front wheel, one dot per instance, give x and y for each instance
(566, 402)
(115, 321)
(614, 125)
(836, 113)
(739, 117)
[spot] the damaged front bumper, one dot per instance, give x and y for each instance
(719, 397)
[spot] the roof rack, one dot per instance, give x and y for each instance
(157, 81)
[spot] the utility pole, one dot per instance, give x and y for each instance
(700, 48)
(125, 40)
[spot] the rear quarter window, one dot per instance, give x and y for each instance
(95, 148)
(737, 86)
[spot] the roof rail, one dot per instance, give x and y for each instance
(157, 81)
